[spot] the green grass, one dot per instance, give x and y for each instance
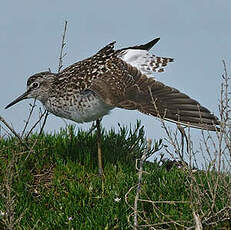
(56, 186)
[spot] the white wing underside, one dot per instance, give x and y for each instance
(144, 61)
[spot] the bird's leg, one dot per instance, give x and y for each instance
(93, 127)
(99, 144)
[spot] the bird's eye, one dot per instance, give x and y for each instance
(35, 85)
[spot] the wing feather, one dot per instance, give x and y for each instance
(128, 88)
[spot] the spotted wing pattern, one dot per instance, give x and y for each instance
(130, 89)
(144, 61)
(139, 57)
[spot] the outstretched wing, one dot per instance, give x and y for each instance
(126, 87)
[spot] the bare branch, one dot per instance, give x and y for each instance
(61, 56)
(14, 132)
(36, 123)
(29, 117)
(138, 189)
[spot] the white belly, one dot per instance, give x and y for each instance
(90, 113)
(87, 111)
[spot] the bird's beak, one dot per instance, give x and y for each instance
(18, 99)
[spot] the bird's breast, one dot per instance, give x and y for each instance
(79, 108)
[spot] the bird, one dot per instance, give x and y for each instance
(89, 89)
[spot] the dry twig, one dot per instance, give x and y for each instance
(61, 56)
(14, 132)
(138, 189)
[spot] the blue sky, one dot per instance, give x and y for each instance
(196, 33)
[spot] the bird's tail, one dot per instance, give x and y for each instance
(140, 57)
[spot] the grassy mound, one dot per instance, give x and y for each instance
(56, 185)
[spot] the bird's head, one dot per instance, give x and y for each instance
(38, 87)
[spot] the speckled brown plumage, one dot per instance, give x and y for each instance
(89, 89)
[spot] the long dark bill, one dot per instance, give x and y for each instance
(18, 99)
